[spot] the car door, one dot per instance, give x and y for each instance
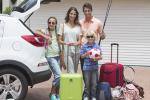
(2, 24)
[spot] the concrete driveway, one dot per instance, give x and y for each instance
(41, 91)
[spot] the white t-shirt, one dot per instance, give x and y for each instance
(71, 34)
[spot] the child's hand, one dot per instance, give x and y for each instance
(98, 58)
(69, 44)
(87, 53)
(49, 40)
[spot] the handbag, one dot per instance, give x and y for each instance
(138, 87)
(130, 92)
(62, 62)
(61, 52)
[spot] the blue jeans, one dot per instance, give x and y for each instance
(90, 80)
(55, 68)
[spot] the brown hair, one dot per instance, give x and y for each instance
(87, 5)
(76, 21)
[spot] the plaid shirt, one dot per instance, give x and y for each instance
(88, 63)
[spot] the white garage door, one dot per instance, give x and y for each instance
(128, 24)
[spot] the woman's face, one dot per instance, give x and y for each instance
(72, 15)
(52, 23)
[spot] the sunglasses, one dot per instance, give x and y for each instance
(51, 23)
(90, 36)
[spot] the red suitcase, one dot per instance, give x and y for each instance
(112, 72)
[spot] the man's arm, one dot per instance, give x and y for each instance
(101, 31)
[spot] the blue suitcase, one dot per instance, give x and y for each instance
(104, 91)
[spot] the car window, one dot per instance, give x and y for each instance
(25, 5)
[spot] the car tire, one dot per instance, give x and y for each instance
(13, 84)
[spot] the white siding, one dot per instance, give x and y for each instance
(128, 24)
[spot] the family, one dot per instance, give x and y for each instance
(75, 38)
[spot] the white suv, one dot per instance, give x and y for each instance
(22, 58)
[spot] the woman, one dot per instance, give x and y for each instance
(52, 55)
(69, 37)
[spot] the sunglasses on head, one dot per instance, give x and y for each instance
(51, 23)
(90, 36)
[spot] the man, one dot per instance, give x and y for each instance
(90, 23)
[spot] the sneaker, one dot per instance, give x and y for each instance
(93, 98)
(58, 98)
(53, 97)
(85, 98)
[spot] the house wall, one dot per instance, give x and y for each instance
(5, 4)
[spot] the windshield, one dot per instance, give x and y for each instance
(25, 5)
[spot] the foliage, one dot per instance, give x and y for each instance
(13, 1)
(7, 10)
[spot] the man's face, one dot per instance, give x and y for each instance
(87, 12)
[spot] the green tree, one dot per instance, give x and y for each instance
(7, 10)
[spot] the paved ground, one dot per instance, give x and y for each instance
(41, 91)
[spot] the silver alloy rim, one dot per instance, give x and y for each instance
(10, 87)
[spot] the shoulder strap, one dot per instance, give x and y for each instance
(62, 38)
(57, 39)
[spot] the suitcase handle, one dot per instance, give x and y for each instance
(113, 44)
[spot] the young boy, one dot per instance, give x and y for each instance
(90, 66)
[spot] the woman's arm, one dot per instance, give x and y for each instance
(61, 40)
(61, 35)
(41, 33)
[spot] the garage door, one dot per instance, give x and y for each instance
(128, 25)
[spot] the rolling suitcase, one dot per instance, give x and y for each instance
(71, 87)
(104, 91)
(112, 72)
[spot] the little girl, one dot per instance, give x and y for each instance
(90, 67)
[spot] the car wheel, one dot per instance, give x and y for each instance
(13, 84)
